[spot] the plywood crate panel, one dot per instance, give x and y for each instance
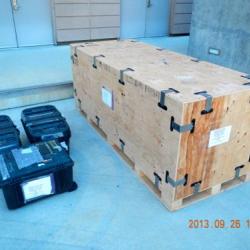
(182, 124)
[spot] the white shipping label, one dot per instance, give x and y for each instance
(107, 97)
(219, 136)
(27, 151)
(64, 145)
(37, 188)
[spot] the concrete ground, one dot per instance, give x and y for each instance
(113, 210)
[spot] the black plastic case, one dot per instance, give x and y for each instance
(46, 123)
(30, 174)
(9, 134)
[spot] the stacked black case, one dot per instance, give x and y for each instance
(46, 123)
(33, 173)
(9, 134)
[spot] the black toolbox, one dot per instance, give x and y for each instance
(46, 123)
(9, 134)
(36, 172)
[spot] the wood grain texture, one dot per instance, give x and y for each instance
(144, 127)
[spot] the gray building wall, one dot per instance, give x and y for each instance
(222, 25)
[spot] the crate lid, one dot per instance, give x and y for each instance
(57, 128)
(6, 122)
(45, 120)
(40, 112)
(156, 70)
(5, 118)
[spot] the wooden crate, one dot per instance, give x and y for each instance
(182, 124)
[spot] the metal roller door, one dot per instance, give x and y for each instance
(77, 20)
(180, 16)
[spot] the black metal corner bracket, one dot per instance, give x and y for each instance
(122, 145)
(74, 58)
(89, 44)
(182, 129)
(121, 80)
(173, 183)
(157, 180)
(195, 60)
(97, 121)
(94, 60)
(76, 47)
(246, 76)
(209, 102)
(82, 46)
(160, 49)
(196, 187)
(161, 104)
(237, 171)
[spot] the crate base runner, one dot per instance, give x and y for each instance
(150, 180)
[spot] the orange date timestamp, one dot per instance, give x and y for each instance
(218, 224)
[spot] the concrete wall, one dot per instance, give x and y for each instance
(222, 25)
